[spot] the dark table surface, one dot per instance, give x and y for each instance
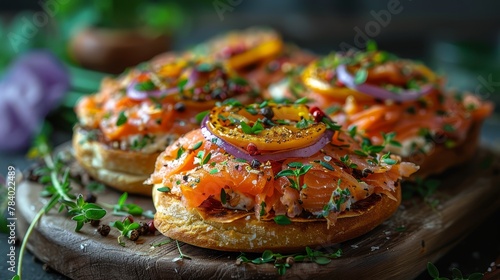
(475, 253)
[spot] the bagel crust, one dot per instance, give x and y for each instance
(123, 170)
(247, 234)
(440, 158)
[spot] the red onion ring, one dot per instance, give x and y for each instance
(135, 94)
(275, 156)
(348, 80)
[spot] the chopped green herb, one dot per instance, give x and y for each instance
(262, 209)
(200, 116)
(304, 123)
(302, 100)
(353, 130)
(345, 159)
(122, 119)
(145, 86)
(163, 189)
(223, 196)
(282, 220)
(214, 171)
(360, 76)
(181, 84)
(326, 165)
(255, 129)
(332, 109)
(197, 146)
(180, 151)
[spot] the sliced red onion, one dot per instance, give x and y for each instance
(378, 92)
(275, 156)
(133, 93)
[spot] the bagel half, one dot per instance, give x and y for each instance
(247, 234)
(123, 170)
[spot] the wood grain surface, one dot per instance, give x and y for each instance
(467, 196)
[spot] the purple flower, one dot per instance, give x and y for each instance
(32, 86)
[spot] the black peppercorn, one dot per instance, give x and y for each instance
(143, 229)
(179, 107)
(267, 112)
(90, 198)
(103, 230)
(95, 223)
(255, 163)
(134, 235)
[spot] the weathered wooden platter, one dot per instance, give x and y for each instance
(397, 249)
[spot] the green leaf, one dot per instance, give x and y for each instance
(476, 276)
(214, 171)
(322, 260)
(134, 209)
(456, 273)
(246, 128)
(285, 172)
(304, 169)
(118, 225)
(223, 196)
(181, 84)
(78, 218)
(303, 100)
(295, 164)
(133, 226)
(180, 151)
(122, 119)
(95, 214)
(282, 220)
(163, 189)
(145, 86)
(371, 46)
(197, 146)
(16, 277)
(267, 255)
(79, 225)
(326, 165)
(200, 116)
(432, 270)
(390, 161)
(360, 76)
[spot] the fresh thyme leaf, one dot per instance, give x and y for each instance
(214, 171)
(180, 151)
(304, 123)
(326, 165)
(285, 172)
(360, 76)
(163, 189)
(145, 86)
(200, 116)
(122, 119)
(223, 196)
(302, 100)
(197, 146)
(352, 131)
(295, 164)
(282, 220)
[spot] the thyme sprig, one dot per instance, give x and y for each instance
(282, 262)
(125, 228)
(293, 175)
(56, 180)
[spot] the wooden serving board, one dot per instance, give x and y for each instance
(467, 195)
